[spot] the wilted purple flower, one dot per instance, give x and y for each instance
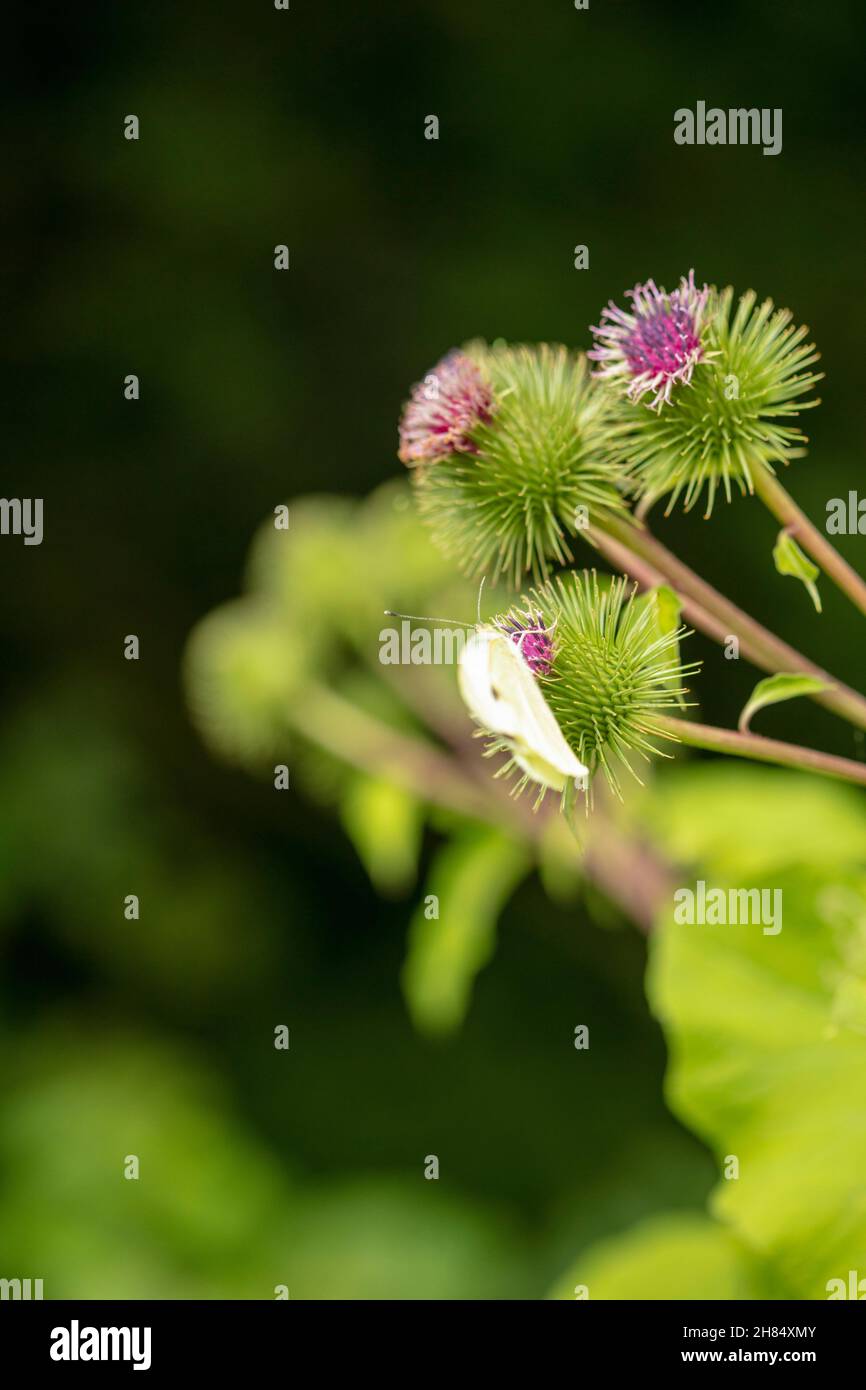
(443, 409)
(658, 344)
(534, 639)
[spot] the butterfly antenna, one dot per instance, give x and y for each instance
(421, 618)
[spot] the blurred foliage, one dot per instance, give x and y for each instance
(669, 1257)
(478, 872)
(768, 1064)
(780, 1008)
(766, 1034)
(322, 622)
(220, 1209)
(211, 1215)
(105, 829)
(385, 825)
(305, 1168)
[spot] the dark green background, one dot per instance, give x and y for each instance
(156, 257)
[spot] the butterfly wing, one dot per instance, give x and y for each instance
(505, 698)
(538, 745)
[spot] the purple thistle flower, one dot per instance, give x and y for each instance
(443, 409)
(533, 638)
(657, 344)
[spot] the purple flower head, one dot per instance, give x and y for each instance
(657, 344)
(443, 409)
(534, 639)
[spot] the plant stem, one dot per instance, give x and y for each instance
(783, 507)
(355, 737)
(763, 750)
(629, 873)
(633, 549)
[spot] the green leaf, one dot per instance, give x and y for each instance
(767, 1032)
(453, 932)
(241, 676)
(384, 824)
(790, 559)
(665, 605)
(666, 618)
(740, 821)
(775, 689)
(672, 1256)
(668, 608)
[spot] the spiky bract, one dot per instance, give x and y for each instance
(731, 420)
(543, 466)
(613, 670)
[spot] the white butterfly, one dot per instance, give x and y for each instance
(504, 697)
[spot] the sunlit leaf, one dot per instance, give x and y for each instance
(775, 689)
(766, 1024)
(384, 824)
(790, 559)
(674, 1256)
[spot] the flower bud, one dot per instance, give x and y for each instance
(614, 666)
(726, 388)
(511, 455)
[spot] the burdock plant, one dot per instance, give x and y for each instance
(511, 450)
(610, 668)
(515, 451)
(655, 345)
(728, 383)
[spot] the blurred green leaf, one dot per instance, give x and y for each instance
(453, 932)
(774, 689)
(309, 571)
(213, 1214)
(384, 824)
(676, 1256)
(767, 1032)
(790, 560)
(199, 1219)
(740, 821)
(241, 670)
(381, 1239)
